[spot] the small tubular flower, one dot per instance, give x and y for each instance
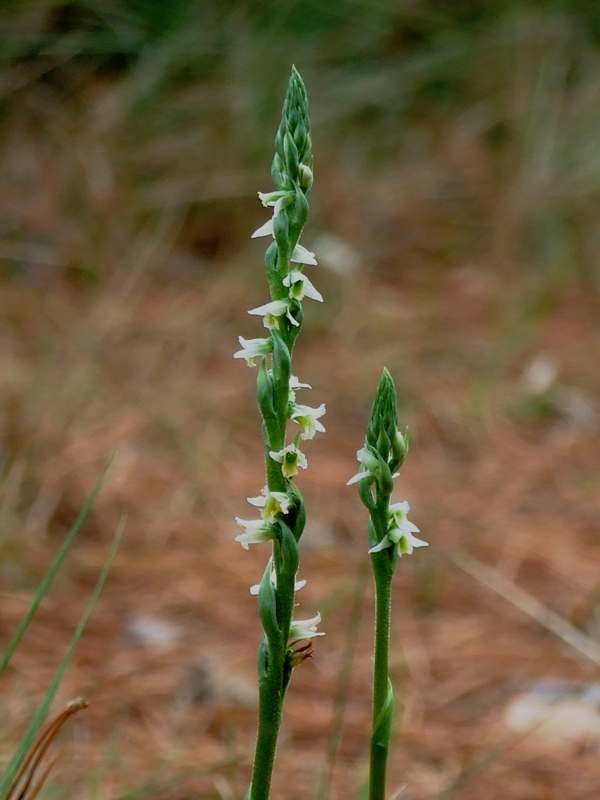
(400, 532)
(253, 348)
(278, 200)
(264, 230)
(300, 287)
(272, 503)
(305, 629)
(303, 256)
(256, 530)
(308, 418)
(271, 313)
(295, 384)
(290, 458)
(370, 464)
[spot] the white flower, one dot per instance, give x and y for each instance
(305, 629)
(264, 230)
(400, 532)
(303, 256)
(278, 199)
(273, 577)
(369, 463)
(308, 418)
(295, 384)
(290, 459)
(398, 517)
(272, 503)
(253, 348)
(300, 287)
(271, 311)
(256, 530)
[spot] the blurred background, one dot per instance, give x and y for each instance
(455, 221)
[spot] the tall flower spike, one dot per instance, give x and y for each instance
(283, 515)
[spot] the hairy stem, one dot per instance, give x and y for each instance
(271, 697)
(379, 749)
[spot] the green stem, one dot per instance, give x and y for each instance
(273, 681)
(271, 696)
(383, 602)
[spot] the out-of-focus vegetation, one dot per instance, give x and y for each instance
(455, 155)
(446, 130)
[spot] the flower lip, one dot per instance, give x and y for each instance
(264, 230)
(272, 503)
(308, 418)
(290, 458)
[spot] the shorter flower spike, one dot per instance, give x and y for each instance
(305, 629)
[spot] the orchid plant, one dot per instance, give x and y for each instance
(286, 642)
(390, 535)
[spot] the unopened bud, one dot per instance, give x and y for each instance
(305, 177)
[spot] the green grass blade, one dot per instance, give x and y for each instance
(49, 576)
(36, 722)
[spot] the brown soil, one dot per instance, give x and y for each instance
(491, 470)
